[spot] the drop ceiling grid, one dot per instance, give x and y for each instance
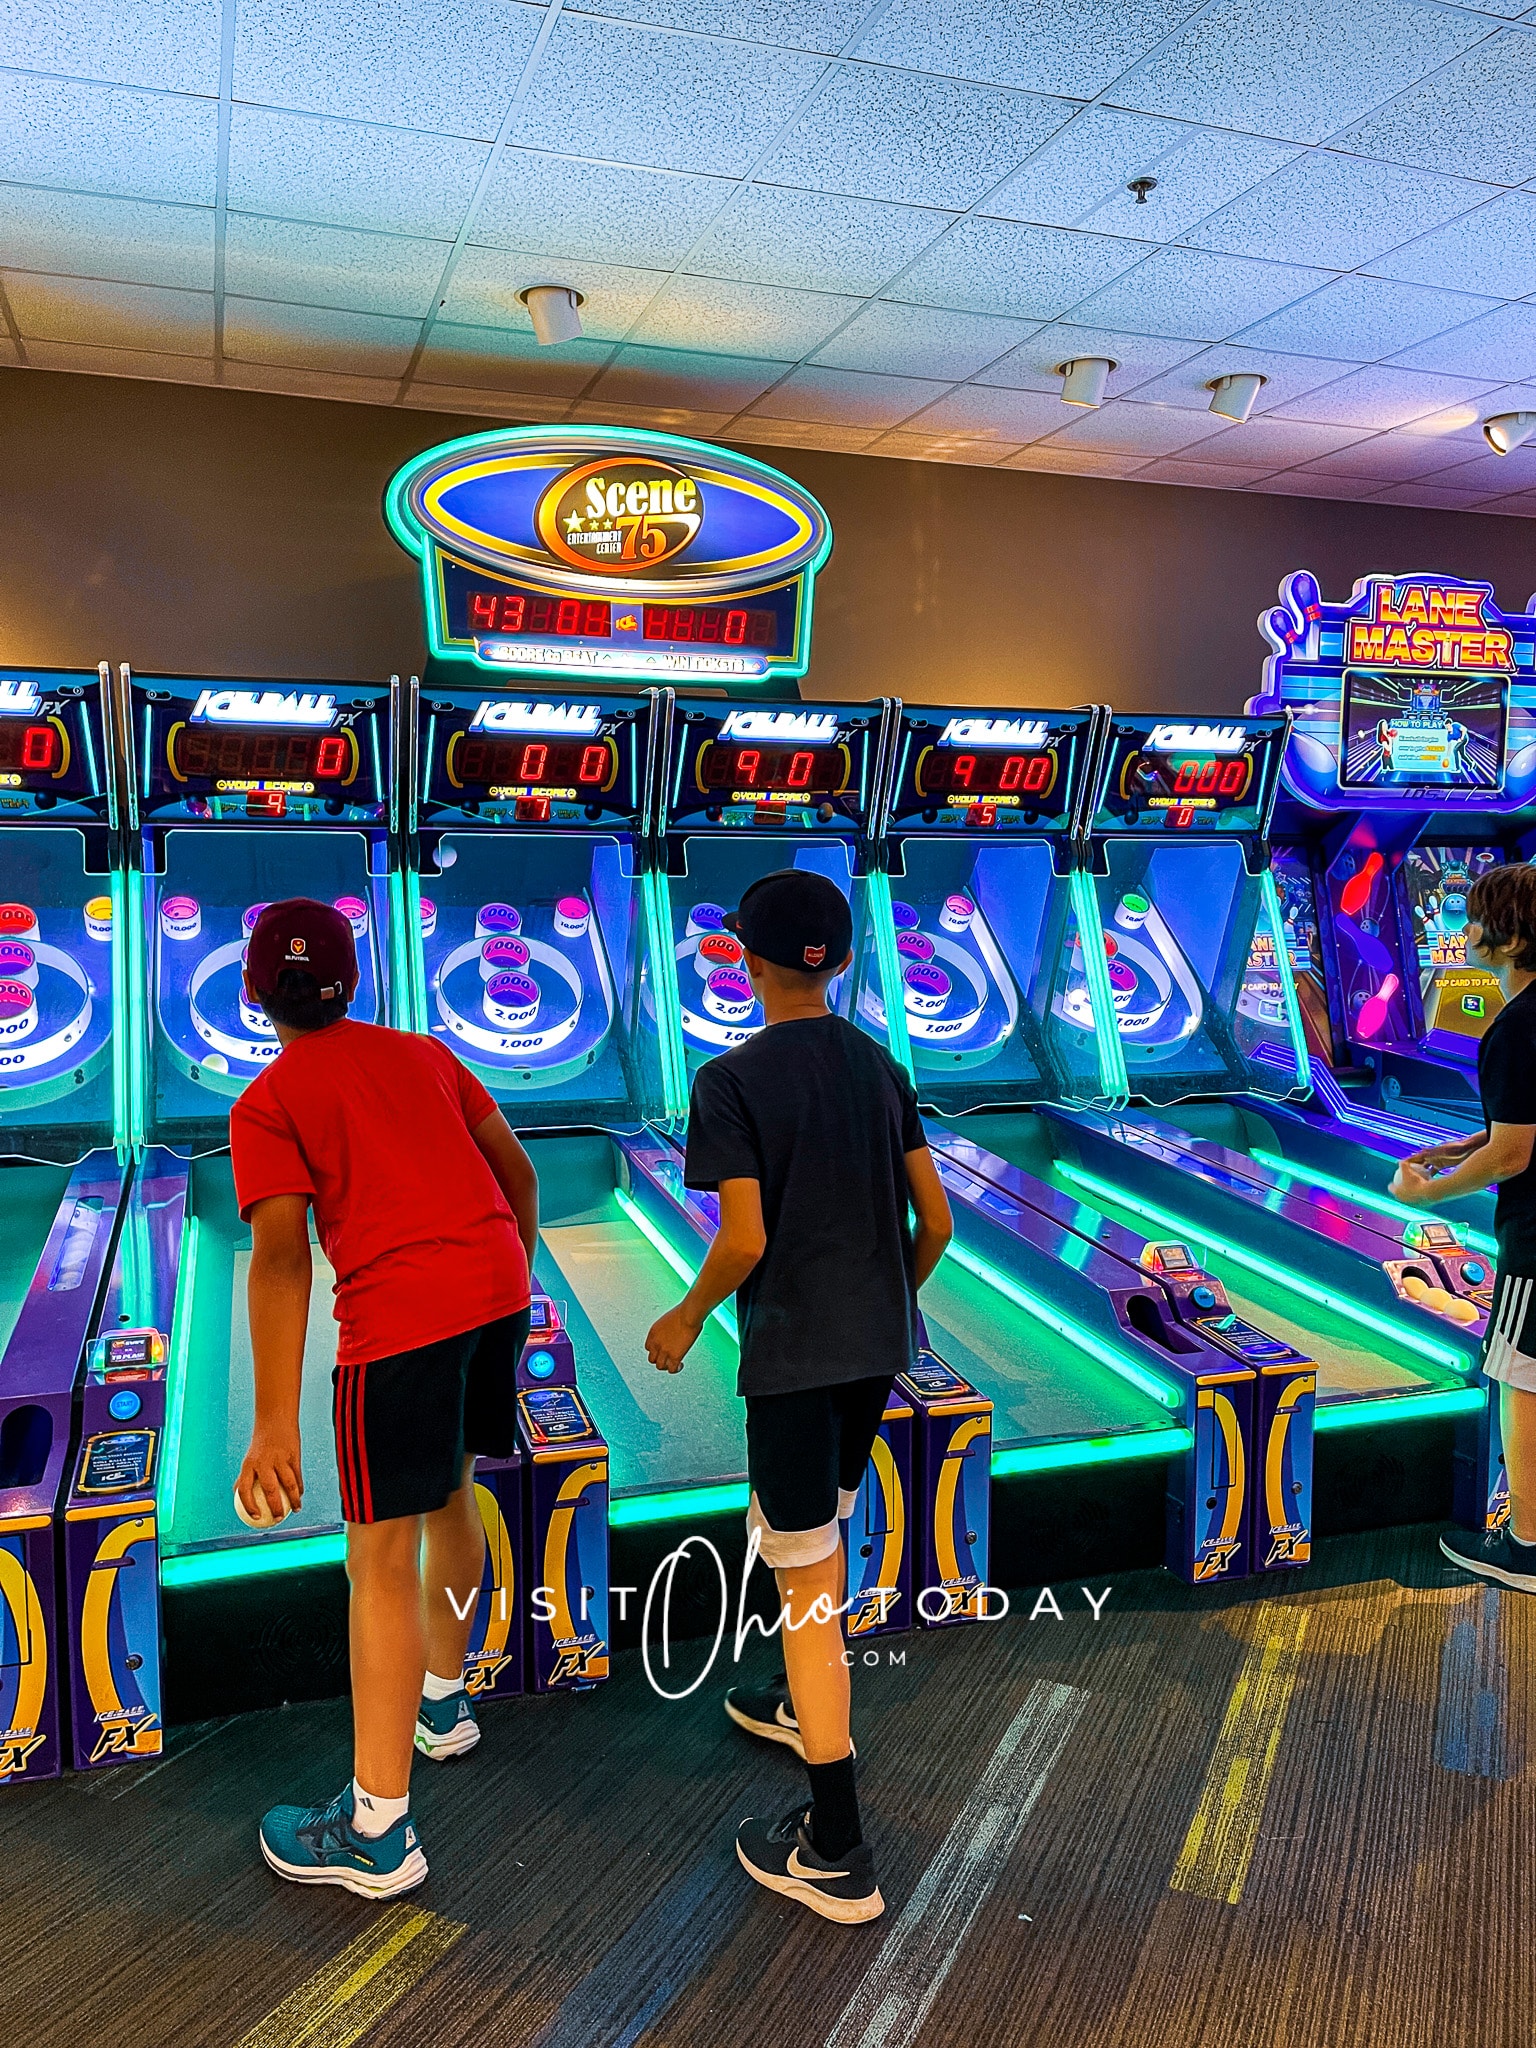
(808, 222)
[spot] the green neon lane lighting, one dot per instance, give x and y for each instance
(1282, 1276)
(176, 1391)
(1288, 996)
(1096, 1450)
(256, 1560)
(1114, 1082)
(724, 1316)
(1064, 1326)
(1309, 1176)
(687, 1502)
(1331, 1415)
(898, 1038)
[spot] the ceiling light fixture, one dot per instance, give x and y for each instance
(1233, 397)
(1506, 431)
(552, 309)
(1083, 381)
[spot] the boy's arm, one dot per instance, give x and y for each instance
(515, 1176)
(277, 1297)
(935, 1225)
(739, 1243)
(1506, 1153)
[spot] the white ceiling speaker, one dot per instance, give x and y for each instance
(1083, 381)
(1233, 397)
(1506, 431)
(553, 310)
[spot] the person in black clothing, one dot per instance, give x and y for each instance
(811, 1134)
(1501, 936)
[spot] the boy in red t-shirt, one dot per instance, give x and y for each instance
(428, 1209)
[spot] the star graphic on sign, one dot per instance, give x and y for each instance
(573, 522)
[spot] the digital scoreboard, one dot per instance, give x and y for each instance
(1189, 776)
(610, 555)
(989, 772)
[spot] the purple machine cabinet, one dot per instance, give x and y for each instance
(877, 1536)
(37, 1375)
(565, 1514)
(952, 1481)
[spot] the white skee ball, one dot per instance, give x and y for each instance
(265, 1519)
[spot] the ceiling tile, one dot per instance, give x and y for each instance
(849, 398)
(1489, 472)
(115, 362)
(1053, 457)
(111, 315)
(802, 434)
(1471, 119)
(1498, 344)
(772, 235)
(666, 100)
(1458, 428)
(1269, 443)
(671, 377)
(823, 25)
(510, 406)
(1432, 494)
(172, 45)
(1296, 68)
(1032, 43)
(1126, 428)
(1492, 250)
(1082, 175)
(314, 266)
(921, 341)
(1388, 459)
(741, 319)
(995, 415)
(674, 419)
(1297, 483)
(942, 448)
(142, 145)
(1517, 507)
(1361, 318)
(1191, 293)
(487, 281)
(1208, 476)
(299, 167)
(996, 266)
(895, 135)
(293, 382)
(491, 358)
(1284, 376)
(1032, 366)
(85, 236)
(440, 64)
(318, 338)
(607, 213)
(1337, 211)
(1381, 397)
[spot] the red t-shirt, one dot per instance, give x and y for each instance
(374, 1126)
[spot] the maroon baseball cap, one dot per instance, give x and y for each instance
(305, 934)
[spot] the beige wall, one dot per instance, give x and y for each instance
(227, 532)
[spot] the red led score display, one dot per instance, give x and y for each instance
(531, 764)
(946, 771)
(30, 747)
(717, 625)
(1211, 780)
(233, 753)
(819, 771)
(568, 618)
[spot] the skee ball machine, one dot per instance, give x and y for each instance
(63, 1177)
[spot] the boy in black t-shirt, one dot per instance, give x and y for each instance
(1501, 936)
(811, 1134)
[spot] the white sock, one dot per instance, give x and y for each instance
(435, 1688)
(372, 1815)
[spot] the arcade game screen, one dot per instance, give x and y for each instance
(1407, 731)
(1459, 998)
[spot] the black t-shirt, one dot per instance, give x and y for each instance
(1506, 1080)
(819, 1116)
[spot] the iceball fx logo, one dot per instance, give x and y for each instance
(620, 516)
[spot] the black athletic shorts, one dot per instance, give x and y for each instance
(806, 1454)
(404, 1425)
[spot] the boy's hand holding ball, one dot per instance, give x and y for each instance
(271, 1483)
(1412, 1185)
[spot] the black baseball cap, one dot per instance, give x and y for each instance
(306, 934)
(795, 918)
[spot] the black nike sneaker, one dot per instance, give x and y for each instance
(1495, 1556)
(781, 1855)
(768, 1712)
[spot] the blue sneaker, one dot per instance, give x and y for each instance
(319, 1845)
(446, 1728)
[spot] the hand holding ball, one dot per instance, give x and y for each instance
(264, 1517)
